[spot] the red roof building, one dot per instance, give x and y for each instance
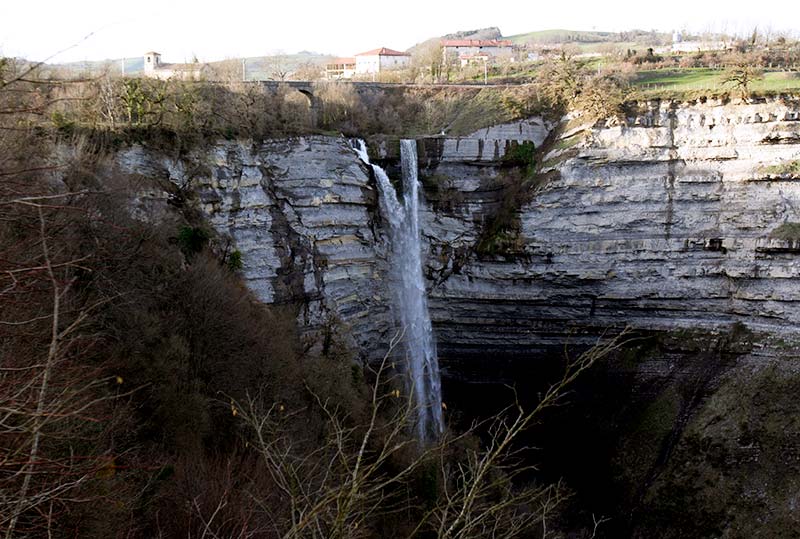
(340, 68)
(469, 50)
(383, 51)
(476, 43)
(382, 59)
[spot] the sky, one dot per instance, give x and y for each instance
(180, 30)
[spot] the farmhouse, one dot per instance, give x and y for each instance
(482, 50)
(340, 68)
(679, 45)
(365, 63)
(154, 68)
(379, 60)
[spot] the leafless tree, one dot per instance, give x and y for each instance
(334, 486)
(741, 77)
(482, 496)
(51, 399)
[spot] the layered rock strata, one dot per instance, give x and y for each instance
(665, 222)
(303, 215)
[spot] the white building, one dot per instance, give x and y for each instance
(679, 45)
(154, 68)
(340, 68)
(467, 50)
(383, 59)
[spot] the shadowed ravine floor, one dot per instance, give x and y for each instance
(638, 438)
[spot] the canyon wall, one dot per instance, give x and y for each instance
(303, 214)
(678, 220)
(662, 223)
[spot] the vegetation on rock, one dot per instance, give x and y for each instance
(787, 232)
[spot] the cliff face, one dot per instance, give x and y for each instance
(678, 222)
(665, 223)
(303, 214)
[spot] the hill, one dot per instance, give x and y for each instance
(492, 32)
(133, 66)
(257, 66)
(561, 36)
(586, 41)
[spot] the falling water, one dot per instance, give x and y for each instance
(410, 301)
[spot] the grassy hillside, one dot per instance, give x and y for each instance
(269, 67)
(263, 67)
(133, 66)
(584, 38)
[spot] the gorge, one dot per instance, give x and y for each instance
(679, 221)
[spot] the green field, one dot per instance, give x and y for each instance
(559, 36)
(658, 82)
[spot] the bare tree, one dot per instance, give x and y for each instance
(741, 77)
(429, 57)
(278, 65)
(51, 398)
(482, 496)
(332, 487)
(47, 395)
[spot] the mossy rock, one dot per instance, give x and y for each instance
(735, 472)
(786, 232)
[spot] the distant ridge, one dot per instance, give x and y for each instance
(558, 36)
(492, 32)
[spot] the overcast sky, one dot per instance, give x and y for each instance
(36, 29)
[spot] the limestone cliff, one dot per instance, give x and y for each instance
(662, 223)
(303, 214)
(677, 220)
(666, 221)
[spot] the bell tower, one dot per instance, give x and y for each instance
(152, 61)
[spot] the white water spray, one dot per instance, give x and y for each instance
(410, 301)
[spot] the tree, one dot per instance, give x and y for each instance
(333, 484)
(53, 389)
(279, 68)
(604, 96)
(741, 77)
(561, 80)
(429, 58)
(47, 398)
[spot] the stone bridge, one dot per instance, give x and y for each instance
(308, 89)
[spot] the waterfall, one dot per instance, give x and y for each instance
(410, 302)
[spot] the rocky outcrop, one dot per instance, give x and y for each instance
(302, 213)
(664, 222)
